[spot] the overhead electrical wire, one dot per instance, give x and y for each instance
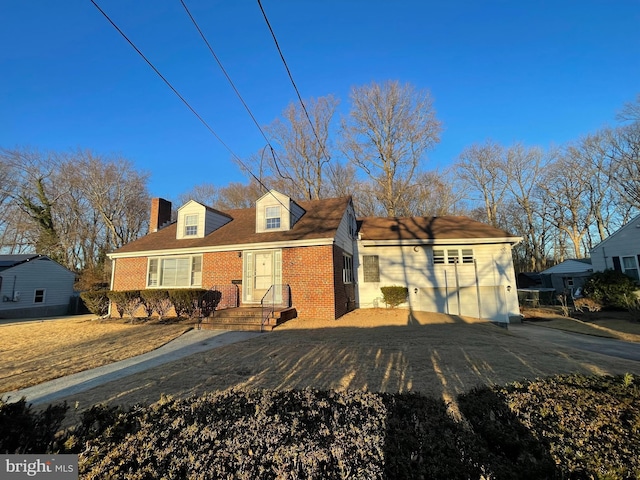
(295, 87)
(188, 105)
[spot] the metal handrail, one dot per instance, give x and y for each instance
(284, 301)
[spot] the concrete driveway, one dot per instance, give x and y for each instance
(603, 346)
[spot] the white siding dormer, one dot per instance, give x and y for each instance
(197, 221)
(275, 212)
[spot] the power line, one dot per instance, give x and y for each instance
(304, 108)
(173, 89)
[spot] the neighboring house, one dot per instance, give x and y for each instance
(34, 286)
(569, 275)
(316, 250)
(620, 251)
(450, 264)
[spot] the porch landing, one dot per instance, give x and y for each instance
(247, 319)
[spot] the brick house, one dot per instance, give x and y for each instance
(328, 262)
(307, 247)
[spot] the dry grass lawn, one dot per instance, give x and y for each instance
(376, 350)
(34, 352)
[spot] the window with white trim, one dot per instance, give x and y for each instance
(438, 257)
(39, 295)
(347, 268)
(190, 225)
(272, 217)
(630, 267)
(175, 271)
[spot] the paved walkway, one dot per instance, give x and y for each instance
(191, 342)
(590, 343)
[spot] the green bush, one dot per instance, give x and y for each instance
(394, 295)
(610, 288)
(96, 301)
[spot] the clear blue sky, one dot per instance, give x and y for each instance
(540, 72)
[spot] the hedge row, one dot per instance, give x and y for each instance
(186, 302)
(561, 427)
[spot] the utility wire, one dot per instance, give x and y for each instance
(182, 98)
(304, 108)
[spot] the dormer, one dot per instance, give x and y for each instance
(197, 221)
(275, 212)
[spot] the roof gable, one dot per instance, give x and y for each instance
(630, 229)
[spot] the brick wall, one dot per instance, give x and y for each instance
(313, 273)
(310, 272)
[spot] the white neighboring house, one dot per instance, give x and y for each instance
(620, 251)
(34, 286)
(568, 275)
(449, 264)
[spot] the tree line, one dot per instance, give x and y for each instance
(76, 206)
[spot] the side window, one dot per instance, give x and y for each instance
(347, 269)
(39, 295)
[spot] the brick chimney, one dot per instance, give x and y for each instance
(160, 214)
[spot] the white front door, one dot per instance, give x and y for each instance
(261, 271)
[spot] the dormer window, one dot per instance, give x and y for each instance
(190, 225)
(272, 216)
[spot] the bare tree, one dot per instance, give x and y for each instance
(302, 146)
(204, 193)
(238, 195)
(625, 152)
(389, 129)
(481, 166)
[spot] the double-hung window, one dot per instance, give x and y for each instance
(39, 295)
(272, 217)
(190, 225)
(175, 271)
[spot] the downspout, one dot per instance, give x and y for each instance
(113, 275)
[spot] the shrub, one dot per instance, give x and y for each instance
(610, 288)
(395, 295)
(157, 301)
(127, 301)
(96, 301)
(25, 431)
(186, 301)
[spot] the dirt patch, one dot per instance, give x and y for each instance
(375, 350)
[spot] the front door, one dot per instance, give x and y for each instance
(262, 270)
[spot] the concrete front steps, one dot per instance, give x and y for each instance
(247, 319)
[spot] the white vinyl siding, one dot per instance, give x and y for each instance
(171, 272)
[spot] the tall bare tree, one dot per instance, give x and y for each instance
(481, 167)
(387, 134)
(303, 150)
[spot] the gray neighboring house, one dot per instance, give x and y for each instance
(569, 275)
(620, 251)
(34, 286)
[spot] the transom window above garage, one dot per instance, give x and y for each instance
(451, 256)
